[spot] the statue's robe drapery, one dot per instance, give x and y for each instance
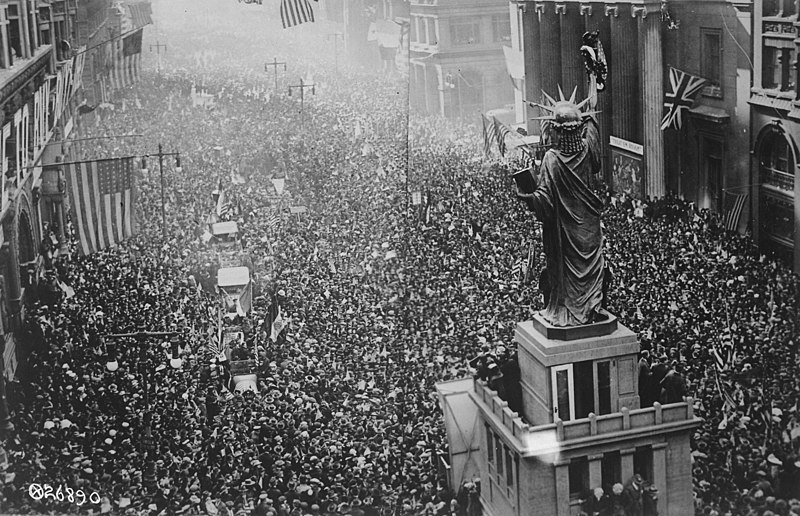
(573, 240)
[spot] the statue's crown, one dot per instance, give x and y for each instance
(565, 114)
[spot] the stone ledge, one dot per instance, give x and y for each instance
(584, 331)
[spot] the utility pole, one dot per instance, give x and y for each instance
(158, 46)
(302, 87)
(274, 64)
(161, 155)
(147, 441)
(336, 36)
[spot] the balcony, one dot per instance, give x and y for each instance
(14, 78)
(562, 435)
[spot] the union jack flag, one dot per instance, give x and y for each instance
(684, 87)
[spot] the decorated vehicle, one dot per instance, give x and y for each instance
(236, 291)
(242, 360)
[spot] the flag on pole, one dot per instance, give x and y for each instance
(735, 206)
(296, 12)
(223, 204)
(103, 200)
(680, 97)
(278, 325)
(501, 131)
(489, 135)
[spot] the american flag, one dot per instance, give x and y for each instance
(272, 222)
(684, 87)
(734, 212)
(126, 60)
(295, 12)
(224, 206)
(501, 131)
(489, 135)
(103, 199)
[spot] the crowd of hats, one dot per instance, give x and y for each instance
(385, 298)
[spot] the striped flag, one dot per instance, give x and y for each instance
(273, 221)
(501, 131)
(224, 206)
(296, 12)
(683, 88)
(103, 199)
(735, 205)
(489, 135)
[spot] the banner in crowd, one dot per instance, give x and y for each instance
(103, 202)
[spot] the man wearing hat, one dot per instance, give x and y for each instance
(633, 495)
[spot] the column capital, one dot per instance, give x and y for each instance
(639, 10)
(586, 9)
(538, 8)
(561, 8)
(612, 10)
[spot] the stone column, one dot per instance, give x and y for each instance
(595, 471)
(532, 54)
(562, 487)
(9, 251)
(652, 100)
(624, 74)
(573, 72)
(660, 475)
(550, 43)
(626, 461)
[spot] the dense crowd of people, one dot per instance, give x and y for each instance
(384, 296)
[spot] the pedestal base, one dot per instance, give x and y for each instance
(596, 329)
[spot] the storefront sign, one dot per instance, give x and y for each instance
(626, 145)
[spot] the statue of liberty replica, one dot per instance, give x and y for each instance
(564, 200)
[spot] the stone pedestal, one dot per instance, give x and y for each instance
(541, 349)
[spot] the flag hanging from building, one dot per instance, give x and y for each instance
(296, 12)
(103, 199)
(501, 131)
(489, 134)
(680, 97)
(733, 212)
(139, 13)
(515, 65)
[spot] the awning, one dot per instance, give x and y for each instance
(233, 277)
(710, 114)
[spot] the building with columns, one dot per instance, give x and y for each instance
(457, 66)
(39, 76)
(775, 111)
(706, 161)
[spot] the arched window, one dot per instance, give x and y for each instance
(777, 162)
(27, 251)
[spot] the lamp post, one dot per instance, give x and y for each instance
(161, 155)
(158, 46)
(336, 36)
(147, 441)
(274, 64)
(302, 87)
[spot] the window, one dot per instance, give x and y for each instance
(711, 61)
(603, 388)
(465, 31)
(14, 33)
(778, 8)
(489, 445)
(643, 462)
(578, 477)
(498, 448)
(777, 67)
(501, 29)
(430, 23)
(509, 468)
(610, 470)
(777, 163)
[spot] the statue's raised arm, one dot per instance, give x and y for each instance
(565, 202)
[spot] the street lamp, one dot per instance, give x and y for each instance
(178, 168)
(175, 362)
(111, 357)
